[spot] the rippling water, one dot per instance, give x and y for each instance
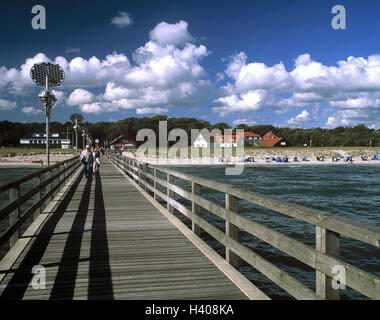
(348, 191)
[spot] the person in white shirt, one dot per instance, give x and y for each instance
(86, 159)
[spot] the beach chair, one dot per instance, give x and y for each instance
(295, 159)
(347, 159)
(304, 159)
(278, 159)
(375, 157)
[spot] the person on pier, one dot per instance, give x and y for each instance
(87, 160)
(95, 159)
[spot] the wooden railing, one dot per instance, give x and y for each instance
(55, 176)
(328, 228)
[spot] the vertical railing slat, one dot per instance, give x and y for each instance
(37, 196)
(196, 209)
(327, 242)
(169, 193)
(14, 194)
(232, 231)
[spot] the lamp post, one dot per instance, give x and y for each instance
(84, 135)
(76, 127)
(47, 75)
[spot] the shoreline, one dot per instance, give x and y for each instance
(235, 162)
(33, 160)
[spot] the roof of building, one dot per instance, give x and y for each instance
(233, 137)
(270, 134)
(42, 135)
(248, 134)
(270, 142)
(270, 139)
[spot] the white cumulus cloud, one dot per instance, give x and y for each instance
(30, 111)
(351, 84)
(7, 105)
(149, 110)
(80, 96)
(123, 20)
(300, 119)
(166, 33)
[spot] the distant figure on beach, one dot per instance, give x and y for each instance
(86, 160)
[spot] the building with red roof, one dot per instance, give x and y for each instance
(270, 140)
(249, 139)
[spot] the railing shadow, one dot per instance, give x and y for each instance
(100, 278)
(20, 280)
(64, 284)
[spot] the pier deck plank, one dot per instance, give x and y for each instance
(105, 240)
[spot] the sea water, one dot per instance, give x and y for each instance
(350, 191)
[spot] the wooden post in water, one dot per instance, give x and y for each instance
(196, 209)
(327, 242)
(169, 193)
(231, 230)
(14, 194)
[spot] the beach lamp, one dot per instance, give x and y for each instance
(47, 75)
(84, 134)
(76, 127)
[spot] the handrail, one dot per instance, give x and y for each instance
(8, 185)
(323, 258)
(58, 174)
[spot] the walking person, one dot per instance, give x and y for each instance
(86, 160)
(95, 159)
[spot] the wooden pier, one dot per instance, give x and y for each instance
(111, 237)
(102, 239)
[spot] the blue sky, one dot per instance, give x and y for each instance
(254, 62)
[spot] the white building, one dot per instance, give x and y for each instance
(200, 142)
(38, 140)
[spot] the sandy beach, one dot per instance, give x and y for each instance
(32, 159)
(260, 158)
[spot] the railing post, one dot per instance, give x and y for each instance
(232, 231)
(37, 196)
(14, 194)
(48, 186)
(327, 242)
(169, 193)
(138, 173)
(155, 183)
(196, 209)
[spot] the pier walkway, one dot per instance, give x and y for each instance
(103, 239)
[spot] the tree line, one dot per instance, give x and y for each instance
(360, 135)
